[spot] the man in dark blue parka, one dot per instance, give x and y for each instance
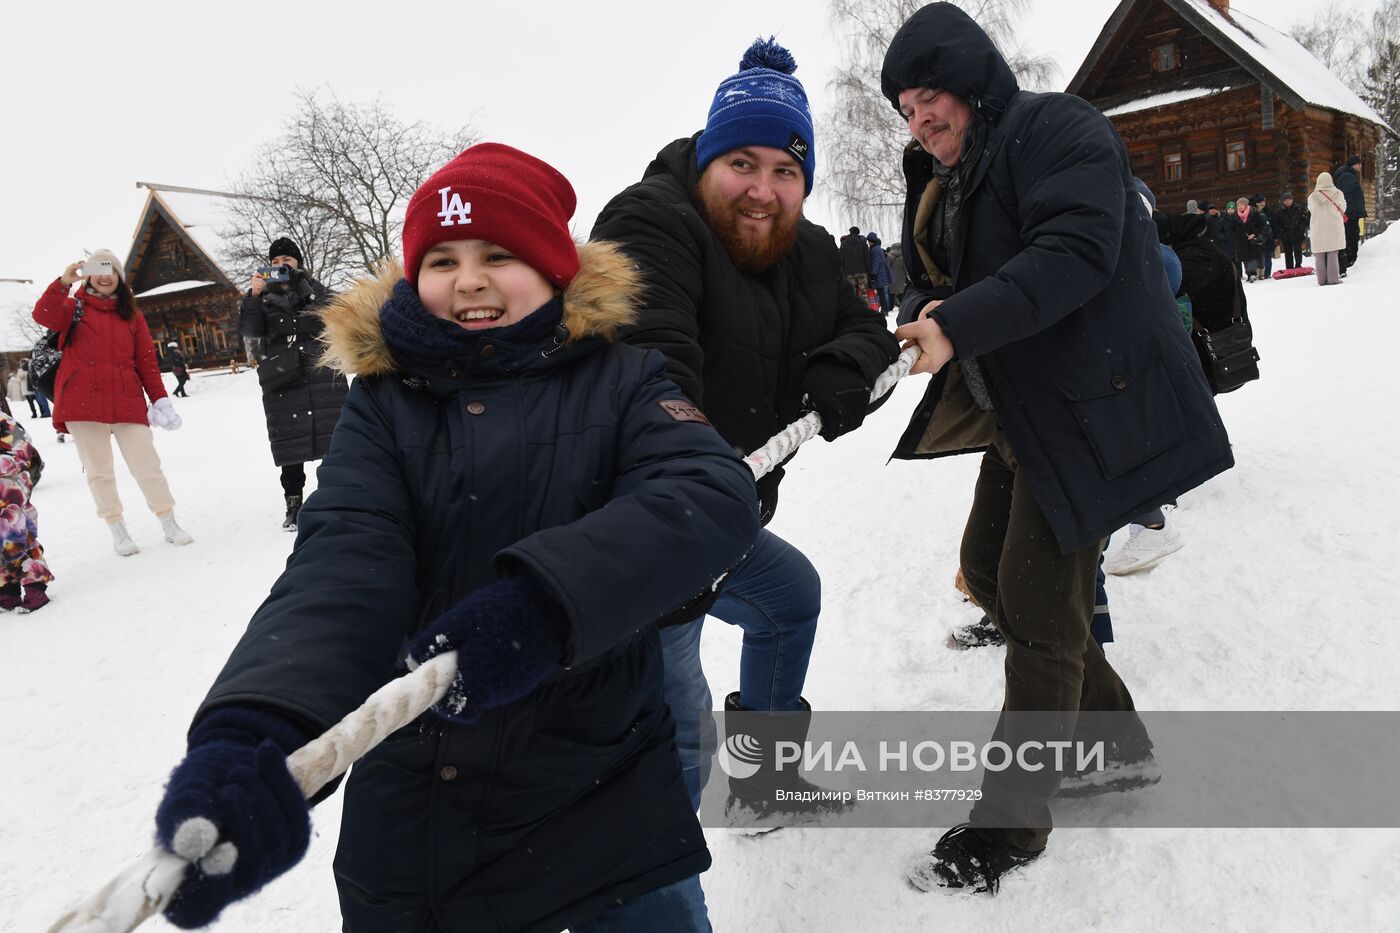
(1058, 353)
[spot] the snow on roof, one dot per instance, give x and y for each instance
(173, 287)
(1162, 100)
(1287, 61)
(17, 328)
(203, 216)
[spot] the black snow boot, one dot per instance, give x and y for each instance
(293, 507)
(980, 634)
(969, 857)
(768, 798)
(1128, 765)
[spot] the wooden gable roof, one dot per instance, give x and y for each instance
(165, 254)
(1257, 53)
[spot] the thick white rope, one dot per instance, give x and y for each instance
(145, 888)
(785, 443)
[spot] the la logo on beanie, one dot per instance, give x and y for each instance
(454, 207)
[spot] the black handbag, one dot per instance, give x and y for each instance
(280, 368)
(1228, 356)
(47, 354)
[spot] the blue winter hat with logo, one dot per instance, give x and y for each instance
(762, 105)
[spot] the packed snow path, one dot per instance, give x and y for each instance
(1285, 597)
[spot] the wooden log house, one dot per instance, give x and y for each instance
(174, 270)
(1214, 104)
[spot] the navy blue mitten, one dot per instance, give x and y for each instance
(233, 810)
(839, 394)
(508, 635)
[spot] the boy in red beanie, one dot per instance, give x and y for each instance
(507, 482)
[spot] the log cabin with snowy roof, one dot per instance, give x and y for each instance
(1214, 104)
(175, 272)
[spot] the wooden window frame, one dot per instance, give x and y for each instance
(1175, 159)
(1244, 155)
(1165, 57)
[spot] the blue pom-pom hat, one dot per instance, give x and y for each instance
(762, 105)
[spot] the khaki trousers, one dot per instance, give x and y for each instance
(138, 448)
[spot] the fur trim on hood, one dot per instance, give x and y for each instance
(600, 300)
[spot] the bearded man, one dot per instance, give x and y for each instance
(747, 300)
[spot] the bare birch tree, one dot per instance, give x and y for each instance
(338, 182)
(1381, 89)
(1338, 37)
(862, 138)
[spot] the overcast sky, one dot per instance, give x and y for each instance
(97, 97)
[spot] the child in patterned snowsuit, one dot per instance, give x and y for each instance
(21, 556)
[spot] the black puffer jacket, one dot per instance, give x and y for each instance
(1346, 179)
(301, 416)
(571, 458)
(1292, 223)
(738, 344)
(1059, 291)
(855, 255)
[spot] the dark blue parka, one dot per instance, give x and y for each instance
(1059, 292)
(574, 459)
(1345, 178)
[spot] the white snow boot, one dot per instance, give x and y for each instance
(1144, 548)
(121, 539)
(173, 532)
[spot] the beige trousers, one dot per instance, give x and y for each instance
(138, 448)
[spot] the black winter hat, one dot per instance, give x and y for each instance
(855, 231)
(285, 246)
(1354, 160)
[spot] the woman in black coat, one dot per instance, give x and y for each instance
(302, 399)
(1250, 231)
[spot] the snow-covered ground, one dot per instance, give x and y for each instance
(1285, 597)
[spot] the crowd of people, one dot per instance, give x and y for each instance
(537, 466)
(1327, 226)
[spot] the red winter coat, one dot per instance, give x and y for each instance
(106, 365)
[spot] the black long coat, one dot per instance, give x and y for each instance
(302, 416)
(738, 344)
(1346, 179)
(556, 457)
(855, 255)
(1292, 223)
(1059, 292)
(1241, 230)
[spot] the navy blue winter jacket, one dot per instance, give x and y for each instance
(1058, 291)
(576, 460)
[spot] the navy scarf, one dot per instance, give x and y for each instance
(418, 340)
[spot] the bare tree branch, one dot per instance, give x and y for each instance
(338, 182)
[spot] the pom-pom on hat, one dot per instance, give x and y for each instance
(762, 105)
(499, 194)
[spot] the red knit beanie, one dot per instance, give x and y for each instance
(502, 195)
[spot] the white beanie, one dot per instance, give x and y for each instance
(109, 256)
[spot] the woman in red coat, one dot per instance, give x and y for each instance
(108, 360)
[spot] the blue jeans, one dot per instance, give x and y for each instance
(43, 403)
(676, 908)
(775, 596)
